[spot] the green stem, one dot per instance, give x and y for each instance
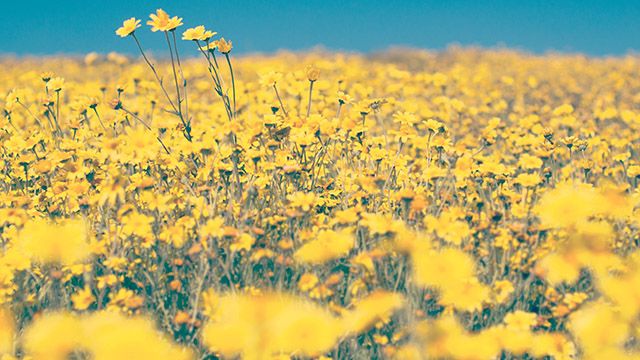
(155, 73)
(58, 112)
(310, 93)
(184, 81)
(30, 113)
(280, 100)
(233, 84)
(99, 118)
(147, 127)
(175, 74)
(216, 80)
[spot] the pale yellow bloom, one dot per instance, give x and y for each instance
(128, 27)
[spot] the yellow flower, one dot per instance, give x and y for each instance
(442, 268)
(328, 245)
(160, 21)
(528, 180)
(633, 171)
(198, 33)
(520, 320)
(568, 204)
(344, 98)
(128, 27)
(434, 126)
(448, 226)
(110, 335)
(82, 299)
(512, 340)
(502, 289)
(530, 162)
(564, 109)
(224, 46)
(380, 339)
(307, 282)
(313, 73)
(137, 224)
(302, 200)
(445, 338)
(466, 295)
(268, 325)
(65, 242)
(365, 260)
(53, 336)
(558, 268)
(375, 307)
(213, 228)
(55, 84)
(598, 329)
(553, 344)
(242, 242)
(7, 329)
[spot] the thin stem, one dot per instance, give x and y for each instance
(187, 132)
(212, 68)
(95, 110)
(58, 112)
(310, 93)
(53, 130)
(184, 81)
(175, 74)
(153, 106)
(137, 118)
(11, 123)
(30, 113)
(146, 126)
(26, 177)
(280, 100)
(233, 83)
(153, 68)
(187, 127)
(216, 80)
(215, 61)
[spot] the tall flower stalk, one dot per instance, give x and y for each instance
(160, 21)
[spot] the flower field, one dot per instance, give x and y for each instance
(462, 204)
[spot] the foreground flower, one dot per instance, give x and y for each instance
(328, 245)
(263, 326)
(103, 335)
(46, 242)
(377, 306)
(111, 335)
(54, 336)
(7, 328)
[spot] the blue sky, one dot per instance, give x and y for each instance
(76, 27)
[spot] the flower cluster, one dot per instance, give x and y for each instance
(469, 204)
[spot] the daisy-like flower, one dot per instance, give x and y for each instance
(211, 46)
(55, 84)
(128, 27)
(224, 46)
(198, 33)
(161, 21)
